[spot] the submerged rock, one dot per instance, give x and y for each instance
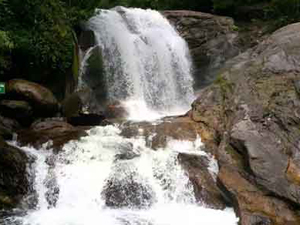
(251, 113)
(128, 191)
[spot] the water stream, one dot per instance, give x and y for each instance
(105, 178)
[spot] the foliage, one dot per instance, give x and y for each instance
(36, 35)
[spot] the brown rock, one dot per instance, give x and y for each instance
(59, 132)
(252, 205)
(204, 183)
(42, 99)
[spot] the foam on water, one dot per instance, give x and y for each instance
(84, 168)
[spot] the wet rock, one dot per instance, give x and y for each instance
(157, 134)
(55, 132)
(14, 183)
(128, 191)
(115, 110)
(251, 114)
(75, 109)
(126, 152)
(203, 180)
(19, 110)
(41, 99)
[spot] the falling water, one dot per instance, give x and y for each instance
(146, 62)
(105, 178)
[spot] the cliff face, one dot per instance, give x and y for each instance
(212, 41)
(252, 115)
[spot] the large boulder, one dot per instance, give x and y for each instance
(212, 41)
(41, 99)
(14, 183)
(252, 114)
(19, 110)
(55, 132)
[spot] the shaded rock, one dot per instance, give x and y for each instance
(74, 108)
(86, 38)
(8, 127)
(251, 113)
(19, 110)
(212, 41)
(14, 183)
(56, 131)
(203, 180)
(86, 120)
(41, 99)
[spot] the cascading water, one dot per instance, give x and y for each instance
(108, 179)
(105, 178)
(146, 62)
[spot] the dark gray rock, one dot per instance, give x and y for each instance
(14, 183)
(212, 41)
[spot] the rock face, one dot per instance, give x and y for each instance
(252, 113)
(56, 131)
(39, 97)
(211, 39)
(13, 175)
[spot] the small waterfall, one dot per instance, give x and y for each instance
(146, 62)
(107, 179)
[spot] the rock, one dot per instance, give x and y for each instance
(55, 132)
(74, 108)
(128, 191)
(115, 110)
(14, 183)
(41, 99)
(251, 114)
(19, 110)
(8, 127)
(86, 38)
(212, 41)
(157, 134)
(253, 206)
(203, 180)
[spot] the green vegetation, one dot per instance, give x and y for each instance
(37, 41)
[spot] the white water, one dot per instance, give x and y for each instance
(145, 61)
(84, 169)
(105, 178)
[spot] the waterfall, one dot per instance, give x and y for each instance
(105, 178)
(146, 63)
